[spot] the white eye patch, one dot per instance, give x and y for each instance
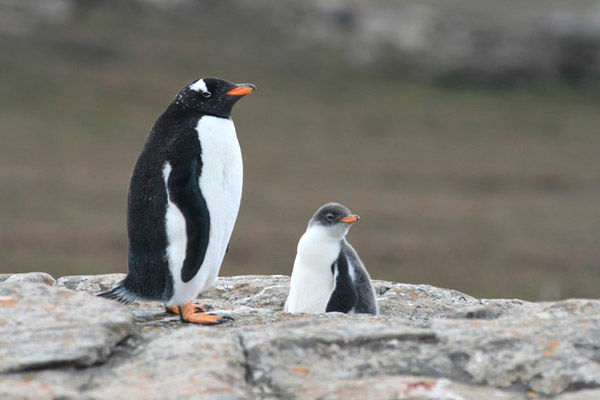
(199, 86)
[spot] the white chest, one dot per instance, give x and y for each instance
(221, 185)
(222, 173)
(312, 282)
(220, 182)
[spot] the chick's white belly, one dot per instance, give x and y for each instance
(309, 292)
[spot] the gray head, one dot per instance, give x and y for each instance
(335, 218)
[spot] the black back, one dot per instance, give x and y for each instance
(367, 303)
(349, 295)
(173, 139)
(344, 296)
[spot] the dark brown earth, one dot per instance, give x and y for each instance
(489, 190)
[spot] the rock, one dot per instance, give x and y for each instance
(492, 309)
(285, 359)
(399, 387)
(419, 303)
(191, 362)
(429, 343)
(580, 395)
(90, 283)
(33, 277)
(536, 354)
(43, 327)
(41, 385)
(265, 291)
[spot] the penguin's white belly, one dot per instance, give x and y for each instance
(309, 290)
(221, 186)
(312, 281)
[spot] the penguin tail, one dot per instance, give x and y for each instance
(119, 293)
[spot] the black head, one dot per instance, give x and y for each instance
(335, 217)
(211, 96)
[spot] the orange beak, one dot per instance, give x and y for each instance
(242, 89)
(350, 219)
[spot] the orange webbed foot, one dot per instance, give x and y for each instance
(196, 314)
(199, 307)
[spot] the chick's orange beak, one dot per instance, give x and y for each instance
(242, 89)
(350, 219)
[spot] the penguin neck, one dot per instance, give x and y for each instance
(317, 246)
(190, 110)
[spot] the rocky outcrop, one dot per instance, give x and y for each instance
(60, 341)
(44, 327)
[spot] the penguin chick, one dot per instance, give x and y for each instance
(184, 197)
(328, 275)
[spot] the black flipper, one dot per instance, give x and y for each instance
(344, 296)
(367, 300)
(184, 191)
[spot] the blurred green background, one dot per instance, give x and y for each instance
(466, 134)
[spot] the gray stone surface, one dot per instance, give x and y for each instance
(429, 343)
(399, 387)
(32, 277)
(89, 283)
(41, 327)
(580, 395)
(191, 362)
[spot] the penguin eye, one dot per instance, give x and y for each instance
(329, 217)
(206, 94)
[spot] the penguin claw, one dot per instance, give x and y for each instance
(205, 319)
(189, 313)
(203, 307)
(224, 318)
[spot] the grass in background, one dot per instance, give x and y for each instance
(492, 192)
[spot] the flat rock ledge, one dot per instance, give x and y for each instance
(58, 340)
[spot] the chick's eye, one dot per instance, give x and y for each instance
(206, 94)
(329, 217)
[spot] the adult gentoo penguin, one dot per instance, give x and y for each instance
(184, 197)
(328, 275)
